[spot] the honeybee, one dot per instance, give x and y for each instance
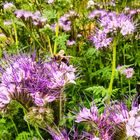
(61, 57)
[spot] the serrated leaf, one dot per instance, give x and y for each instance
(97, 90)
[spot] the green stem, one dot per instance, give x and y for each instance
(130, 138)
(113, 72)
(104, 3)
(14, 125)
(129, 84)
(121, 82)
(50, 47)
(32, 33)
(60, 104)
(29, 128)
(16, 36)
(124, 56)
(56, 36)
(37, 130)
(60, 107)
(25, 111)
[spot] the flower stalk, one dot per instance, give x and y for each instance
(16, 36)
(60, 105)
(50, 47)
(130, 138)
(56, 35)
(113, 71)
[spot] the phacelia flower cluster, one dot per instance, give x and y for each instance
(100, 39)
(114, 118)
(65, 20)
(70, 42)
(110, 23)
(58, 135)
(36, 17)
(133, 122)
(42, 81)
(8, 5)
(128, 72)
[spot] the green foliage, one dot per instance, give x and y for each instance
(23, 136)
(61, 41)
(93, 67)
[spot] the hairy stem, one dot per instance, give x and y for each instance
(56, 36)
(60, 107)
(129, 85)
(113, 72)
(14, 125)
(25, 111)
(16, 36)
(50, 47)
(37, 131)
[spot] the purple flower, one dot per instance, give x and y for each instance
(132, 12)
(126, 25)
(58, 135)
(4, 96)
(64, 23)
(100, 39)
(128, 72)
(38, 20)
(104, 124)
(43, 82)
(133, 122)
(111, 22)
(133, 126)
(95, 13)
(8, 5)
(88, 115)
(23, 14)
(118, 113)
(70, 42)
(36, 17)
(89, 136)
